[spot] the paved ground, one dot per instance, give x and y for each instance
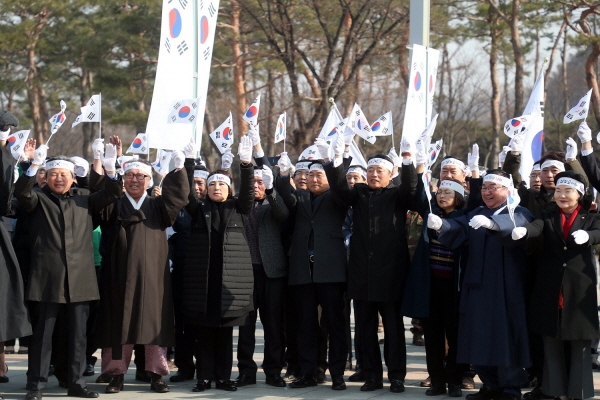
(15, 389)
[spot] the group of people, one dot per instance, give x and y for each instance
(507, 289)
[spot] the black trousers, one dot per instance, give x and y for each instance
(442, 325)
(184, 338)
(330, 296)
(44, 319)
(269, 294)
(394, 348)
(214, 352)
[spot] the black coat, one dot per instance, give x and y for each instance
(379, 257)
(567, 265)
(273, 213)
(233, 296)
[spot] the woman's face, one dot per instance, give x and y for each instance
(218, 191)
(566, 197)
(445, 199)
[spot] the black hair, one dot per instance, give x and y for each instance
(552, 155)
(497, 171)
(459, 199)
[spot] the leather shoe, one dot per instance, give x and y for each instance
(143, 376)
(115, 385)
(245, 380)
(371, 385)
(467, 383)
(454, 390)
(536, 394)
(103, 378)
(397, 386)
(436, 389)
(181, 376)
(321, 377)
(158, 384)
(291, 375)
(33, 395)
(226, 385)
(63, 384)
(89, 370)
(275, 380)
(84, 393)
(358, 376)
(338, 382)
(303, 382)
(201, 386)
(485, 393)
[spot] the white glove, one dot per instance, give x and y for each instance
(189, 150)
(267, 177)
(323, 147)
(480, 221)
(98, 149)
(571, 153)
(581, 237)
(254, 135)
(422, 157)
(406, 146)
(40, 154)
(473, 158)
(502, 155)
(434, 222)
(110, 157)
(518, 233)
(245, 149)
(178, 158)
(5, 134)
(516, 144)
(339, 145)
(284, 163)
(397, 161)
(584, 132)
(81, 166)
(226, 159)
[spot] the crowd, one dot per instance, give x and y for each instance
(502, 279)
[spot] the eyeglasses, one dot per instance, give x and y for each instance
(446, 193)
(533, 176)
(491, 189)
(139, 177)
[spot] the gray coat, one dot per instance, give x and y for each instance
(272, 213)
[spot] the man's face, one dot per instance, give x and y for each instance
(200, 187)
(493, 194)
(317, 182)
(354, 177)
(452, 172)
(259, 188)
(535, 180)
(59, 180)
(301, 179)
(40, 177)
(547, 176)
(378, 176)
(136, 183)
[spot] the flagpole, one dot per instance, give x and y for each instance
(100, 115)
(392, 127)
(334, 106)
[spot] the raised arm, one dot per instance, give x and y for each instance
(175, 194)
(245, 201)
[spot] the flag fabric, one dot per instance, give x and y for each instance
(580, 111)
(512, 202)
(139, 145)
(16, 141)
(183, 111)
(427, 133)
(434, 151)
(251, 115)
(517, 126)
(331, 125)
(91, 112)
(223, 135)
(280, 129)
(426, 177)
(357, 156)
(359, 123)
(58, 119)
(310, 153)
(383, 126)
(163, 159)
(534, 136)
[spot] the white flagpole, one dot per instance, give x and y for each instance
(334, 106)
(392, 128)
(100, 114)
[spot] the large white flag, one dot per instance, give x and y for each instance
(310, 153)
(223, 135)
(330, 128)
(16, 141)
(383, 126)
(58, 119)
(357, 156)
(359, 123)
(139, 145)
(251, 115)
(280, 129)
(91, 112)
(184, 111)
(534, 136)
(580, 110)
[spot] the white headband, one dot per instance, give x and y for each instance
(536, 167)
(258, 172)
(60, 164)
(575, 184)
(198, 173)
(139, 166)
(301, 165)
(498, 179)
(358, 170)
(380, 162)
(553, 163)
(219, 178)
(453, 161)
(452, 185)
(316, 167)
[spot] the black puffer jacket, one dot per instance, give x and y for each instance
(209, 297)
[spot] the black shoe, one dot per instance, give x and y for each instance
(321, 377)
(485, 393)
(4, 379)
(358, 376)
(84, 393)
(507, 396)
(536, 394)
(467, 383)
(337, 382)
(371, 384)
(348, 366)
(63, 384)
(89, 370)
(158, 384)
(436, 389)
(143, 376)
(226, 385)
(291, 375)
(51, 370)
(275, 380)
(181, 376)
(245, 380)
(115, 385)
(201, 386)
(23, 350)
(33, 395)
(303, 382)
(397, 386)
(103, 378)
(454, 390)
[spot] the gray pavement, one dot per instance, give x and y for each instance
(417, 371)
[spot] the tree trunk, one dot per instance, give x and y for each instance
(515, 40)
(592, 82)
(239, 84)
(495, 100)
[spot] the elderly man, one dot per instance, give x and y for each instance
(62, 276)
(136, 305)
(492, 332)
